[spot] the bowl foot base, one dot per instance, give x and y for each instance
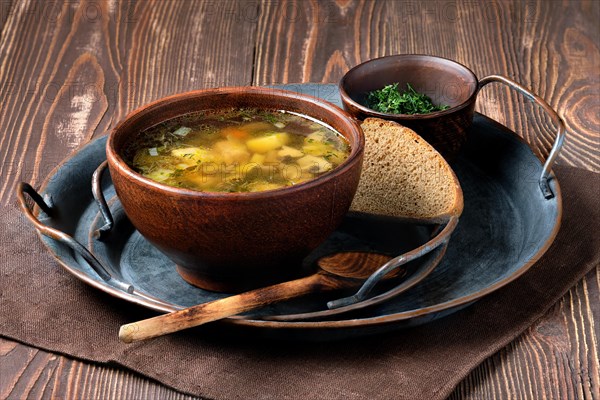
(229, 285)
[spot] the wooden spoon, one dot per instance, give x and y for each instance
(341, 270)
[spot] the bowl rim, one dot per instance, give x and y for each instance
(366, 110)
(117, 162)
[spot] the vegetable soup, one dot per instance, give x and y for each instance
(237, 150)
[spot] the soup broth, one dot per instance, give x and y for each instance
(239, 150)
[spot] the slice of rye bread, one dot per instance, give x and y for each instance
(404, 176)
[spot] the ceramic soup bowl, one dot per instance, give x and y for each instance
(236, 241)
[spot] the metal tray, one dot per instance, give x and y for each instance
(507, 224)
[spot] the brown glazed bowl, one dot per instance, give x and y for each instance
(236, 241)
(444, 81)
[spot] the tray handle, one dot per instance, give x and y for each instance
(25, 188)
(441, 237)
(556, 119)
(101, 232)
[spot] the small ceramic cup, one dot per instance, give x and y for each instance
(444, 81)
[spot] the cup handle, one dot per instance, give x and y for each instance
(25, 188)
(556, 119)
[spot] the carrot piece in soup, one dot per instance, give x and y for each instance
(232, 132)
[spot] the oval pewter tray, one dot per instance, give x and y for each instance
(507, 224)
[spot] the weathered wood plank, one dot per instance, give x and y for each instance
(71, 70)
(36, 374)
(5, 10)
(551, 47)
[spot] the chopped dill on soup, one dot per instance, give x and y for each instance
(237, 150)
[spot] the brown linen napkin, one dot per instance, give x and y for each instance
(43, 306)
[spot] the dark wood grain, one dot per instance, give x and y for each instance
(71, 70)
(28, 373)
(549, 46)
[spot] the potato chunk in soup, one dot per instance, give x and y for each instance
(237, 150)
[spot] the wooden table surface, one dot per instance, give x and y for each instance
(71, 70)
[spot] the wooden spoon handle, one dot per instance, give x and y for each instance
(222, 308)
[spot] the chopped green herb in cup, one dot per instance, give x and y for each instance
(391, 101)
